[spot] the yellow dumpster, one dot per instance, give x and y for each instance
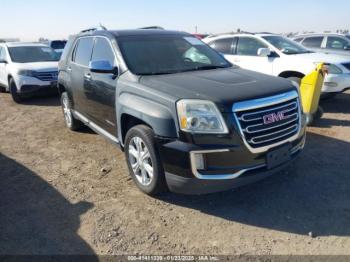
(310, 92)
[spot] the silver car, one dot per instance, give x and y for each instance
(326, 43)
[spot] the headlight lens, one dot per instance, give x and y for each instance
(26, 72)
(200, 116)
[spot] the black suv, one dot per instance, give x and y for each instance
(187, 119)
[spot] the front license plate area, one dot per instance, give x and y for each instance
(278, 156)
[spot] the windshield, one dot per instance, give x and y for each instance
(31, 54)
(152, 55)
(58, 44)
(285, 45)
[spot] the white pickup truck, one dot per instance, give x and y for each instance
(279, 56)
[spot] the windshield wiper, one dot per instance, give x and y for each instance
(209, 67)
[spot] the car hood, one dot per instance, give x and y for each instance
(322, 57)
(222, 86)
(39, 66)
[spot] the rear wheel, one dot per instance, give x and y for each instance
(72, 123)
(144, 161)
(14, 92)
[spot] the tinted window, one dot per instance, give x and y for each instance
(298, 39)
(336, 42)
(222, 45)
(315, 41)
(83, 51)
(103, 51)
(32, 54)
(249, 46)
(152, 55)
(58, 44)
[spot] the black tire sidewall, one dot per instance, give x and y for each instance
(146, 134)
(13, 90)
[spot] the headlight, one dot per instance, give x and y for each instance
(26, 72)
(200, 116)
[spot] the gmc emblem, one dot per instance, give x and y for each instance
(275, 117)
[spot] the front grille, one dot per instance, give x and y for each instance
(347, 66)
(46, 76)
(269, 125)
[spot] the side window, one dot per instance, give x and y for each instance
(298, 39)
(223, 45)
(1, 53)
(336, 43)
(315, 41)
(83, 50)
(248, 46)
(103, 51)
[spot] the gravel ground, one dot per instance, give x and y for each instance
(70, 193)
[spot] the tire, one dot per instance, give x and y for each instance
(72, 123)
(327, 96)
(143, 160)
(13, 90)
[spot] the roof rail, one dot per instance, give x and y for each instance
(152, 27)
(100, 27)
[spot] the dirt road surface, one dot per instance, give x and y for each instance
(55, 199)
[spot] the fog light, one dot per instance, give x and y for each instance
(330, 84)
(199, 161)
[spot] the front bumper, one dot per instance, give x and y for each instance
(225, 167)
(336, 83)
(31, 85)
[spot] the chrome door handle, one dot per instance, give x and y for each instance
(69, 69)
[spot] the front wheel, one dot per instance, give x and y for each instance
(14, 92)
(143, 160)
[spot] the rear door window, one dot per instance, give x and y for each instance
(83, 51)
(315, 41)
(223, 45)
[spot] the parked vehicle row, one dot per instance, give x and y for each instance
(279, 56)
(187, 119)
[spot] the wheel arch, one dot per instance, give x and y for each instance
(133, 110)
(286, 74)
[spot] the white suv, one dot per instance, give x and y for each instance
(276, 55)
(27, 68)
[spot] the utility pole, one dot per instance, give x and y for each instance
(196, 29)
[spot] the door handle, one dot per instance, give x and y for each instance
(69, 69)
(236, 61)
(87, 76)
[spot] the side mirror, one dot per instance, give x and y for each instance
(264, 52)
(103, 67)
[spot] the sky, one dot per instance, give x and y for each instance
(31, 19)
